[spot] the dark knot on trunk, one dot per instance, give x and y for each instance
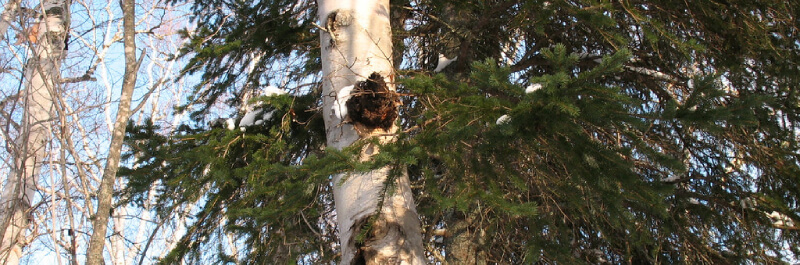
(372, 104)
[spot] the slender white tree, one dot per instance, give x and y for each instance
(375, 227)
(63, 194)
(41, 80)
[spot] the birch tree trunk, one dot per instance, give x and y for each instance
(106, 190)
(356, 56)
(41, 83)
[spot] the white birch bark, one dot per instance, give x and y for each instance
(41, 81)
(356, 44)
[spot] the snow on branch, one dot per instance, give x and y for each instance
(780, 220)
(651, 72)
(641, 70)
(443, 62)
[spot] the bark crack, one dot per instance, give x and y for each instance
(337, 19)
(373, 233)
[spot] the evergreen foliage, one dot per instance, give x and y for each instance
(662, 133)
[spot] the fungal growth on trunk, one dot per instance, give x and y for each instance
(372, 105)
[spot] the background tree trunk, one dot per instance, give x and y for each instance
(41, 83)
(106, 189)
(357, 45)
(465, 237)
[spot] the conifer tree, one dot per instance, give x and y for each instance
(560, 132)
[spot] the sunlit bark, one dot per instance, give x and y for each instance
(41, 83)
(106, 189)
(357, 45)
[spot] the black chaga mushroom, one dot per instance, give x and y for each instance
(372, 104)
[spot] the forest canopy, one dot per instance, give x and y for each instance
(582, 131)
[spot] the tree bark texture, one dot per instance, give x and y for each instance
(356, 56)
(106, 189)
(465, 237)
(41, 77)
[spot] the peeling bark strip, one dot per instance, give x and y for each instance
(372, 104)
